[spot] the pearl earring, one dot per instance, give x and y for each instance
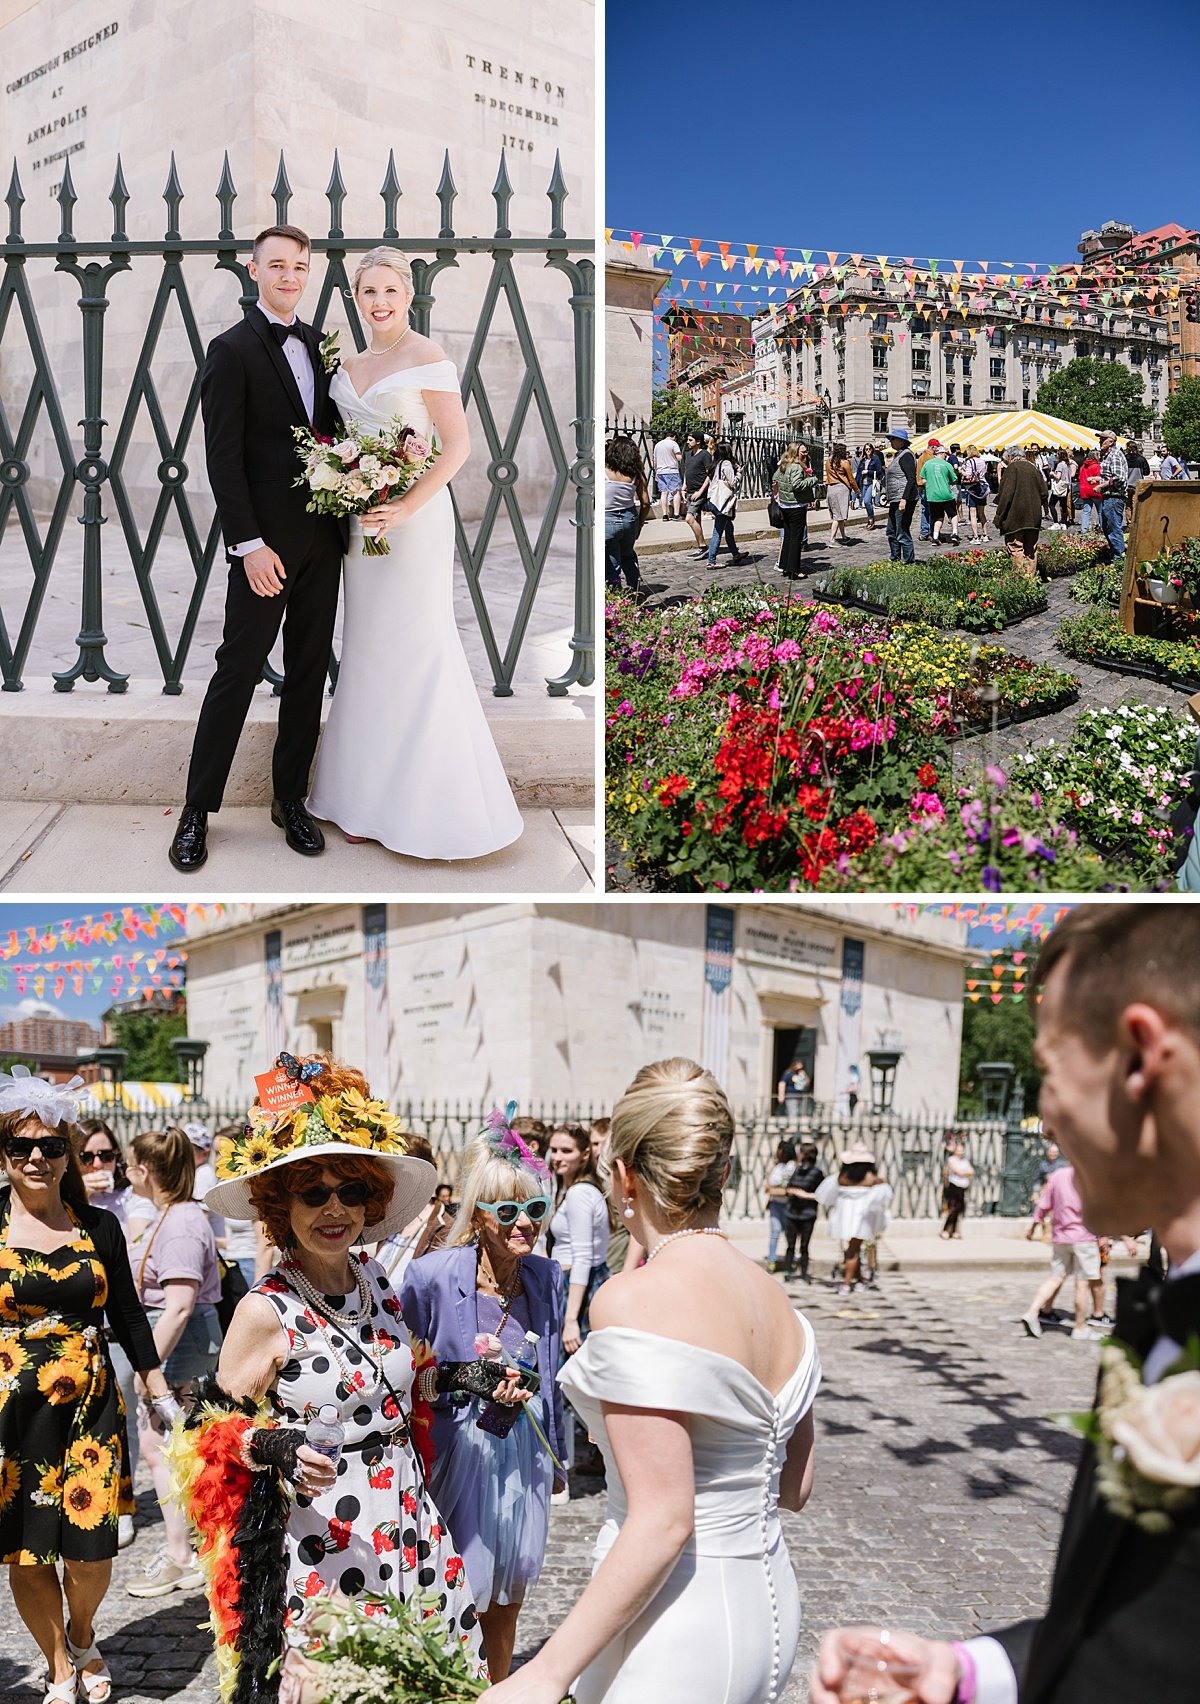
(627, 1210)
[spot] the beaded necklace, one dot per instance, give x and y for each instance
(350, 1325)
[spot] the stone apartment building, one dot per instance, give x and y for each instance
(1171, 250)
(858, 373)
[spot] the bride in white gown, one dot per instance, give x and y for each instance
(697, 1381)
(407, 757)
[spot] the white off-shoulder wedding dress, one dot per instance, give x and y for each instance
(725, 1626)
(407, 756)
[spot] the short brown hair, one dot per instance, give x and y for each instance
(1117, 954)
(292, 232)
(169, 1155)
(272, 1191)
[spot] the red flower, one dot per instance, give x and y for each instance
(454, 1568)
(685, 828)
(671, 787)
(927, 777)
(410, 1555)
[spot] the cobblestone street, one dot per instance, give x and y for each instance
(940, 1483)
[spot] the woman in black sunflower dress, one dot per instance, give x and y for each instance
(64, 1476)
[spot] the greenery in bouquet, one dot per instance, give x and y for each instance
(1095, 635)
(1120, 777)
(977, 590)
(1060, 553)
(376, 1649)
(990, 837)
(350, 475)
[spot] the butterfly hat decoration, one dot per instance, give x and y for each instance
(317, 1110)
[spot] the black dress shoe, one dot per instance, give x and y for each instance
(299, 829)
(189, 849)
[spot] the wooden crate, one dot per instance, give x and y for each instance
(1165, 512)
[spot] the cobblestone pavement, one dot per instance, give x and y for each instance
(940, 1484)
(678, 577)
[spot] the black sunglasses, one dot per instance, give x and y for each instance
(49, 1147)
(97, 1156)
(351, 1194)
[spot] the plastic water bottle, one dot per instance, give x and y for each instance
(499, 1418)
(326, 1434)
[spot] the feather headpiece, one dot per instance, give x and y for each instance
(508, 1144)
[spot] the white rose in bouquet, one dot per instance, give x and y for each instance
(324, 478)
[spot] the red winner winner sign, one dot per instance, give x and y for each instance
(280, 1092)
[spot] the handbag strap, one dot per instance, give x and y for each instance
(145, 1257)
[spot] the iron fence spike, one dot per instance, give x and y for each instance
(447, 194)
(335, 194)
(173, 196)
(281, 194)
(16, 200)
(502, 193)
(391, 193)
(557, 193)
(66, 199)
(119, 196)
(226, 196)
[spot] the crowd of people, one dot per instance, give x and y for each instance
(448, 1395)
(953, 484)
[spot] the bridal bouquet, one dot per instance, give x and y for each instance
(350, 475)
(375, 1648)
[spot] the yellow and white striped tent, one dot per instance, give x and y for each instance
(97, 1098)
(1025, 426)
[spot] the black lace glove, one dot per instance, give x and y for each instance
(461, 1380)
(273, 1447)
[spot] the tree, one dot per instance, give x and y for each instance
(1005, 1032)
(146, 1038)
(1099, 394)
(674, 411)
(1181, 421)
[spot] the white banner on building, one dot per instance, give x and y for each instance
(717, 1000)
(375, 988)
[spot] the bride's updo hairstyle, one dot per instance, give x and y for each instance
(673, 1128)
(394, 258)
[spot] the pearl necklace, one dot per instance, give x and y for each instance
(371, 349)
(688, 1231)
(350, 1326)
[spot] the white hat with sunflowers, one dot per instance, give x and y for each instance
(316, 1109)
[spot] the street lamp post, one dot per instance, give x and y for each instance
(827, 410)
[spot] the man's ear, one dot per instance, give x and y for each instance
(1147, 1039)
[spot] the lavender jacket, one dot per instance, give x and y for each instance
(437, 1301)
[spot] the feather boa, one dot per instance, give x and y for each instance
(238, 1518)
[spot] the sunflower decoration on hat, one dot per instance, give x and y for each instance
(315, 1108)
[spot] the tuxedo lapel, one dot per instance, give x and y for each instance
(320, 377)
(1091, 1537)
(261, 327)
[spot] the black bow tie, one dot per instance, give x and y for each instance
(1149, 1308)
(281, 333)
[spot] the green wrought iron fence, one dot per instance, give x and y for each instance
(910, 1153)
(101, 470)
(757, 449)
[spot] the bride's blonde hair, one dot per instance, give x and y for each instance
(673, 1128)
(394, 258)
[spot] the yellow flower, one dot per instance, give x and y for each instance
(63, 1380)
(10, 1260)
(89, 1456)
(86, 1501)
(327, 1106)
(225, 1157)
(13, 1359)
(10, 1481)
(51, 1481)
(358, 1136)
(257, 1152)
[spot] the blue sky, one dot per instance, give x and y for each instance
(958, 132)
(87, 1006)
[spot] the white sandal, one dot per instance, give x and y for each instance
(97, 1687)
(61, 1691)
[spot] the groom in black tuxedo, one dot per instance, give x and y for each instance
(1119, 1051)
(261, 378)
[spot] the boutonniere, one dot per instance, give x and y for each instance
(1147, 1437)
(331, 356)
